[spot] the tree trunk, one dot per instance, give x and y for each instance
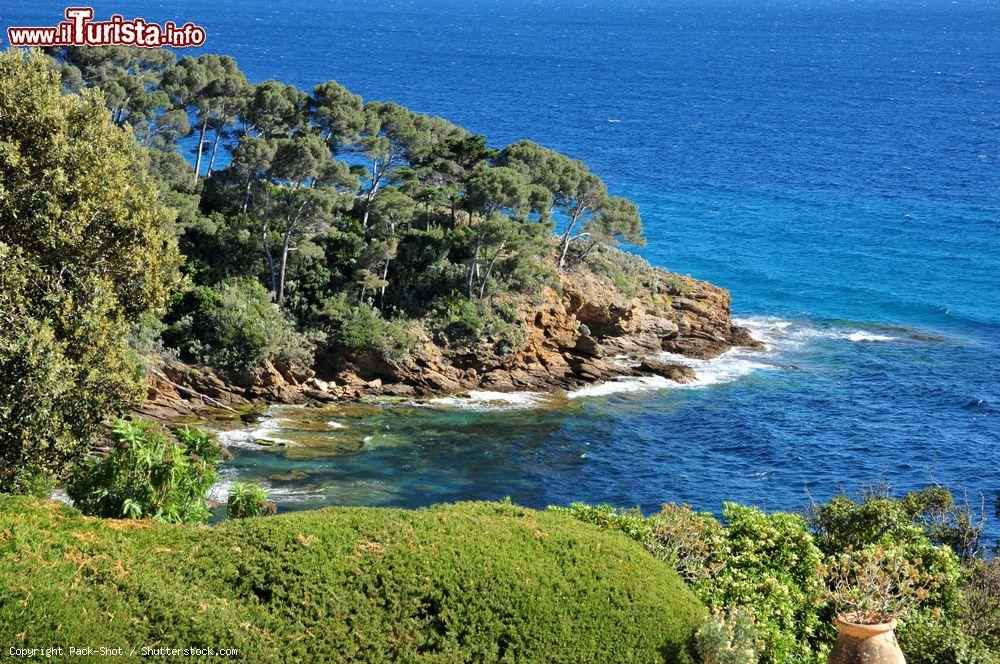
(489, 269)
(568, 236)
(372, 190)
(215, 149)
(473, 265)
(201, 143)
(270, 259)
(381, 295)
(286, 240)
(385, 270)
(593, 245)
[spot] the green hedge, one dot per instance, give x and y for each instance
(463, 582)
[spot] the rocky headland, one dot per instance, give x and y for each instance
(587, 331)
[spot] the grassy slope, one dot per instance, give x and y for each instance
(471, 581)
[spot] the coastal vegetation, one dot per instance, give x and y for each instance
(774, 582)
(316, 230)
(463, 582)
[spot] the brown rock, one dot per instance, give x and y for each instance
(679, 373)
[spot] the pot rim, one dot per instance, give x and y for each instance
(862, 629)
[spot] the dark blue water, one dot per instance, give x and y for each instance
(836, 165)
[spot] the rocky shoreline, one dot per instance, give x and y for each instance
(590, 332)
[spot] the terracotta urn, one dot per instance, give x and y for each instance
(866, 644)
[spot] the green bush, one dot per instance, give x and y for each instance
(85, 247)
(248, 500)
(234, 326)
(466, 322)
(149, 474)
(765, 564)
(875, 521)
(476, 582)
(981, 613)
(728, 638)
(927, 639)
(772, 570)
(360, 328)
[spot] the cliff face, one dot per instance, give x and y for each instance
(591, 331)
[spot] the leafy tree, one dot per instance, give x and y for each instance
(580, 196)
(127, 75)
(304, 193)
(497, 194)
(273, 110)
(338, 114)
(212, 88)
(618, 222)
(389, 211)
(228, 91)
(85, 247)
(233, 326)
(391, 133)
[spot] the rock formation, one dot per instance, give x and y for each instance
(591, 331)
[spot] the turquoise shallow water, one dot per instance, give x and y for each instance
(835, 165)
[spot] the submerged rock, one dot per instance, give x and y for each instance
(680, 373)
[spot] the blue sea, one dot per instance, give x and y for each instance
(834, 164)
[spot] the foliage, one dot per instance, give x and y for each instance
(728, 638)
(872, 586)
(248, 500)
(925, 638)
(879, 524)
(464, 582)
(981, 613)
(85, 249)
(688, 541)
(946, 521)
(359, 327)
(466, 322)
(234, 326)
(148, 473)
(772, 569)
(765, 564)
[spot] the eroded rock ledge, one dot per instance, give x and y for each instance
(591, 332)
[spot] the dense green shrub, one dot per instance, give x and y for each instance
(467, 322)
(148, 473)
(875, 521)
(248, 500)
(981, 613)
(772, 569)
(85, 247)
(927, 639)
(234, 326)
(765, 564)
(475, 582)
(728, 638)
(360, 328)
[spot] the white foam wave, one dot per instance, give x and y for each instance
(249, 438)
(485, 400)
(220, 491)
(868, 336)
(623, 385)
(776, 332)
(726, 368)
(237, 438)
(336, 425)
